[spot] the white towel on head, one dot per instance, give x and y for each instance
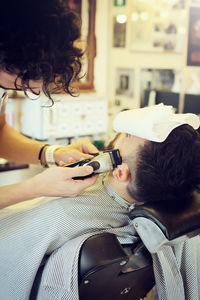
(153, 123)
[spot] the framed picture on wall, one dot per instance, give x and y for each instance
(124, 83)
(193, 49)
(119, 33)
(158, 26)
(86, 9)
(167, 81)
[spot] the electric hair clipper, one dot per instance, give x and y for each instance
(103, 162)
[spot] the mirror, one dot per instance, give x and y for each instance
(86, 9)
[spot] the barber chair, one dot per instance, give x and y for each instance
(111, 271)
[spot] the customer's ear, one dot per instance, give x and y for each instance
(122, 173)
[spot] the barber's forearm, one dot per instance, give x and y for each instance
(15, 193)
(15, 147)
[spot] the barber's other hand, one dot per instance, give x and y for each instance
(58, 182)
(74, 152)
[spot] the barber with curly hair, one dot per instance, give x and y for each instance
(37, 52)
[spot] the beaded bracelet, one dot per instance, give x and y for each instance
(40, 154)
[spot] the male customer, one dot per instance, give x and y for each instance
(159, 171)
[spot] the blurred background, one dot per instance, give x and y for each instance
(137, 53)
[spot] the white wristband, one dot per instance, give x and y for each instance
(49, 157)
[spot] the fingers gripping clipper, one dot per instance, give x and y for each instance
(103, 162)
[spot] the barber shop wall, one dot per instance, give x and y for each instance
(101, 80)
(130, 65)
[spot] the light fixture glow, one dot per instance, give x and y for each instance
(121, 19)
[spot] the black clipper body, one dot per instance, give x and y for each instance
(103, 162)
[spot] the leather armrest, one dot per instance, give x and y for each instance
(98, 252)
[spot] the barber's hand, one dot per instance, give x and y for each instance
(58, 182)
(74, 152)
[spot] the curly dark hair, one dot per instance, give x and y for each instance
(168, 171)
(37, 43)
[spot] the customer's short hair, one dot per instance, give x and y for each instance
(37, 42)
(168, 171)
